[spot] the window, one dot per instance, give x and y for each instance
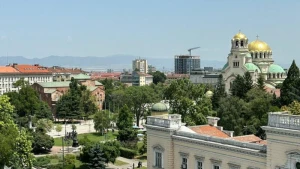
(216, 167)
(255, 55)
(199, 165)
(260, 55)
(184, 163)
(242, 43)
(236, 64)
(264, 55)
(158, 159)
(237, 44)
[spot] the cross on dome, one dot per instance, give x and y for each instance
(257, 36)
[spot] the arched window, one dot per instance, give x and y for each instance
(274, 76)
(281, 75)
(255, 55)
(269, 75)
(260, 55)
(278, 75)
(252, 55)
(237, 44)
(242, 43)
(264, 55)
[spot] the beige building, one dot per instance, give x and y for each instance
(141, 65)
(171, 145)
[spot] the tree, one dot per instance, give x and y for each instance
(293, 108)
(111, 150)
(58, 128)
(127, 135)
(143, 149)
(248, 82)
(241, 85)
(158, 77)
(15, 146)
(96, 160)
(261, 82)
(42, 143)
(45, 124)
(219, 93)
(232, 111)
(87, 103)
(189, 100)
(289, 85)
(101, 121)
(43, 111)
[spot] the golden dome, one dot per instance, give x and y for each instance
(259, 45)
(239, 36)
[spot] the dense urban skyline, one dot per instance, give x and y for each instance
(148, 29)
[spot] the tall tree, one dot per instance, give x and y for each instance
(241, 85)
(248, 82)
(111, 150)
(219, 92)
(101, 121)
(260, 82)
(289, 85)
(87, 103)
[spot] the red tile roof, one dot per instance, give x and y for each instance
(249, 139)
(57, 69)
(31, 69)
(209, 130)
(8, 69)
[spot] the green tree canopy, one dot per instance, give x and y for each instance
(219, 92)
(260, 82)
(158, 77)
(290, 87)
(96, 160)
(101, 121)
(241, 85)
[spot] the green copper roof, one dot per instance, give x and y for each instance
(248, 55)
(98, 83)
(159, 107)
(54, 84)
(81, 77)
(252, 67)
(91, 88)
(225, 66)
(276, 69)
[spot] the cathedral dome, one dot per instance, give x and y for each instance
(276, 69)
(259, 46)
(239, 36)
(252, 67)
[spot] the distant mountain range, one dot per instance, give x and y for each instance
(115, 62)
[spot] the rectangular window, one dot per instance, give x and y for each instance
(216, 167)
(158, 159)
(199, 165)
(236, 64)
(184, 163)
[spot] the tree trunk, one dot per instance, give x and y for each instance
(137, 120)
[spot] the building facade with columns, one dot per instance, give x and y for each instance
(255, 57)
(172, 145)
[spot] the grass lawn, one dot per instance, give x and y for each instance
(120, 163)
(94, 137)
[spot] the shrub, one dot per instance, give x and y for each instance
(70, 159)
(127, 153)
(41, 162)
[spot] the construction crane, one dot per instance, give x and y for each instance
(190, 50)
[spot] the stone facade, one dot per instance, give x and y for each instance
(181, 147)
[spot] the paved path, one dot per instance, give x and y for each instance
(127, 166)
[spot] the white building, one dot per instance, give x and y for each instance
(31, 73)
(255, 57)
(141, 65)
(171, 145)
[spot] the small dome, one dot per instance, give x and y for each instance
(209, 94)
(248, 55)
(276, 69)
(239, 36)
(159, 107)
(259, 46)
(252, 67)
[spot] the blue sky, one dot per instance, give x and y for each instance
(156, 28)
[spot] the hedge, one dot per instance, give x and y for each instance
(127, 153)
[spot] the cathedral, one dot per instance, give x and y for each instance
(254, 57)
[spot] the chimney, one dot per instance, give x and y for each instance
(213, 121)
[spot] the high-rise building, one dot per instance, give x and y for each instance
(141, 65)
(185, 63)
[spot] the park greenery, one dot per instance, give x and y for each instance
(244, 110)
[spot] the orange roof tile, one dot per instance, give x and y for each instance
(247, 138)
(31, 69)
(8, 69)
(57, 69)
(209, 130)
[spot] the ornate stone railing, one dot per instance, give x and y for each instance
(284, 120)
(254, 146)
(170, 121)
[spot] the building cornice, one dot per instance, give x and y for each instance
(159, 128)
(282, 131)
(220, 146)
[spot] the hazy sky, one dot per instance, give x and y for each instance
(153, 28)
